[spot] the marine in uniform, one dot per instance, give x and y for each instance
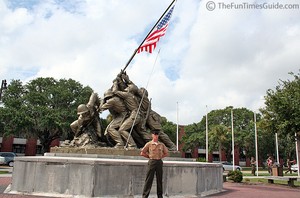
(155, 151)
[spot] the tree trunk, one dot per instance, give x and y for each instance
(220, 152)
(46, 138)
(46, 147)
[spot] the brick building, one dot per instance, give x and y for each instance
(21, 146)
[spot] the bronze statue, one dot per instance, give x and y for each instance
(132, 118)
(87, 128)
(135, 124)
(118, 110)
(132, 105)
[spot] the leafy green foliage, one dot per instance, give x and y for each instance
(195, 135)
(200, 159)
(236, 176)
(169, 128)
(282, 111)
(219, 138)
(219, 131)
(42, 108)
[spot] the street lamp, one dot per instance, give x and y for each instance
(3, 86)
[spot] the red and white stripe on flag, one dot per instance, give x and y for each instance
(150, 43)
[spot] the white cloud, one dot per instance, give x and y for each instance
(215, 58)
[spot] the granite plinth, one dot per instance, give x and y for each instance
(103, 177)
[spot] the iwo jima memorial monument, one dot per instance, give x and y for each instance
(106, 163)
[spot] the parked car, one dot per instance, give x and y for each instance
(9, 158)
(2, 160)
(227, 166)
(294, 167)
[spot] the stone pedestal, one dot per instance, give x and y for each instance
(88, 176)
(102, 151)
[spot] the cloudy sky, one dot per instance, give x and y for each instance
(214, 54)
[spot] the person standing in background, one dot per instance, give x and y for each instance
(289, 166)
(253, 165)
(270, 162)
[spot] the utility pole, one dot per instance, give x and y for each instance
(277, 150)
(206, 136)
(232, 133)
(256, 145)
(177, 130)
(3, 86)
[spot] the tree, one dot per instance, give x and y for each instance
(266, 141)
(43, 108)
(221, 119)
(13, 117)
(282, 111)
(219, 139)
(169, 128)
(194, 136)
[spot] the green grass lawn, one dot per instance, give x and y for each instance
(264, 172)
(265, 181)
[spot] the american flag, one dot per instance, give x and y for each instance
(150, 43)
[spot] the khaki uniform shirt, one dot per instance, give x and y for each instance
(155, 150)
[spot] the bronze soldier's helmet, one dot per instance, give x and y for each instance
(81, 109)
(108, 94)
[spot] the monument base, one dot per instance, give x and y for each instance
(102, 177)
(101, 152)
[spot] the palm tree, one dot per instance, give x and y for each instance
(218, 138)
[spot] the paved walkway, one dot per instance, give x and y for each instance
(231, 190)
(239, 190)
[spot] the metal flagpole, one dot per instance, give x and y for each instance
(277, 152)
(232, 140)
(152, 69)
(206, 134)
(177, 131)
(297, 153)
(140, 104)
(256, 147)
(134, 53)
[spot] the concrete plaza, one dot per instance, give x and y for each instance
(230, 190)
